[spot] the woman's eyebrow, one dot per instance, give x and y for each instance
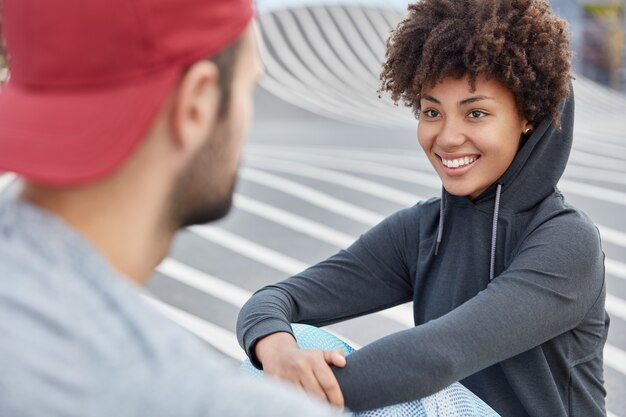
(474, 99)
(431, 98)
(464, 102)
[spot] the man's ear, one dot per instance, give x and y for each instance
(196, 105)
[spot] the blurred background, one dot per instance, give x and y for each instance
(327, 159)
(598, 28)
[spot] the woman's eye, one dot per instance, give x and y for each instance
(430, 113)
(477, 114)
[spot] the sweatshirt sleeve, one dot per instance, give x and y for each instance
(371, 275)
(551, 285)
(555, 279)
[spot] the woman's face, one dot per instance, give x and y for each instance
(470, 137)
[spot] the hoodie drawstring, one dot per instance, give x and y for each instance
(441, 215)
(494, 229)
(494, 233)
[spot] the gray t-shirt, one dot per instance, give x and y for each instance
(76, 339)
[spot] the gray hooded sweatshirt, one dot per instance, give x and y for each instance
(508, 295)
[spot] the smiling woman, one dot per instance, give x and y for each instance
(506, 277)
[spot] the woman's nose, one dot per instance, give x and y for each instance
(451, 134)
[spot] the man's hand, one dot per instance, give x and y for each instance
(308, 369)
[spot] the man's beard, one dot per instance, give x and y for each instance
(205, 208)
(204, 191)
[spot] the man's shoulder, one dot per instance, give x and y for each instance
(77, 335)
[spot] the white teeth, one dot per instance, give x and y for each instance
(460, 162)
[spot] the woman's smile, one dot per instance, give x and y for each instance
(455, 166)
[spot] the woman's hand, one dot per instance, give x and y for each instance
(308, 369)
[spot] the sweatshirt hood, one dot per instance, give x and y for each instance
(538, 165)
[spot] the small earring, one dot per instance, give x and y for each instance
(528, 131)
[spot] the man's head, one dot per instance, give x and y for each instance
(96, 85)
(203, 190)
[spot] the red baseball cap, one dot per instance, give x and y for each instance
(87, 77)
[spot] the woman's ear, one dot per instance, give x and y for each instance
(527, 128)
(196, 105)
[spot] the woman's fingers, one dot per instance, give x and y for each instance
(310, 370)
(321, 380)
(329, 385)
(310, 383)
(335, 357)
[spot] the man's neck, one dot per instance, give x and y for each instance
(130, 233)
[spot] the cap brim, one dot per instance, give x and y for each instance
(77, 137)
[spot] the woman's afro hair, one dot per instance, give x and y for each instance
(517, 42)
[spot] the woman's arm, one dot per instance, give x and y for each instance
(374, 273)
(556, 278)
(552, 284)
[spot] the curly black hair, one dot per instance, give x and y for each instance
(518, 42)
